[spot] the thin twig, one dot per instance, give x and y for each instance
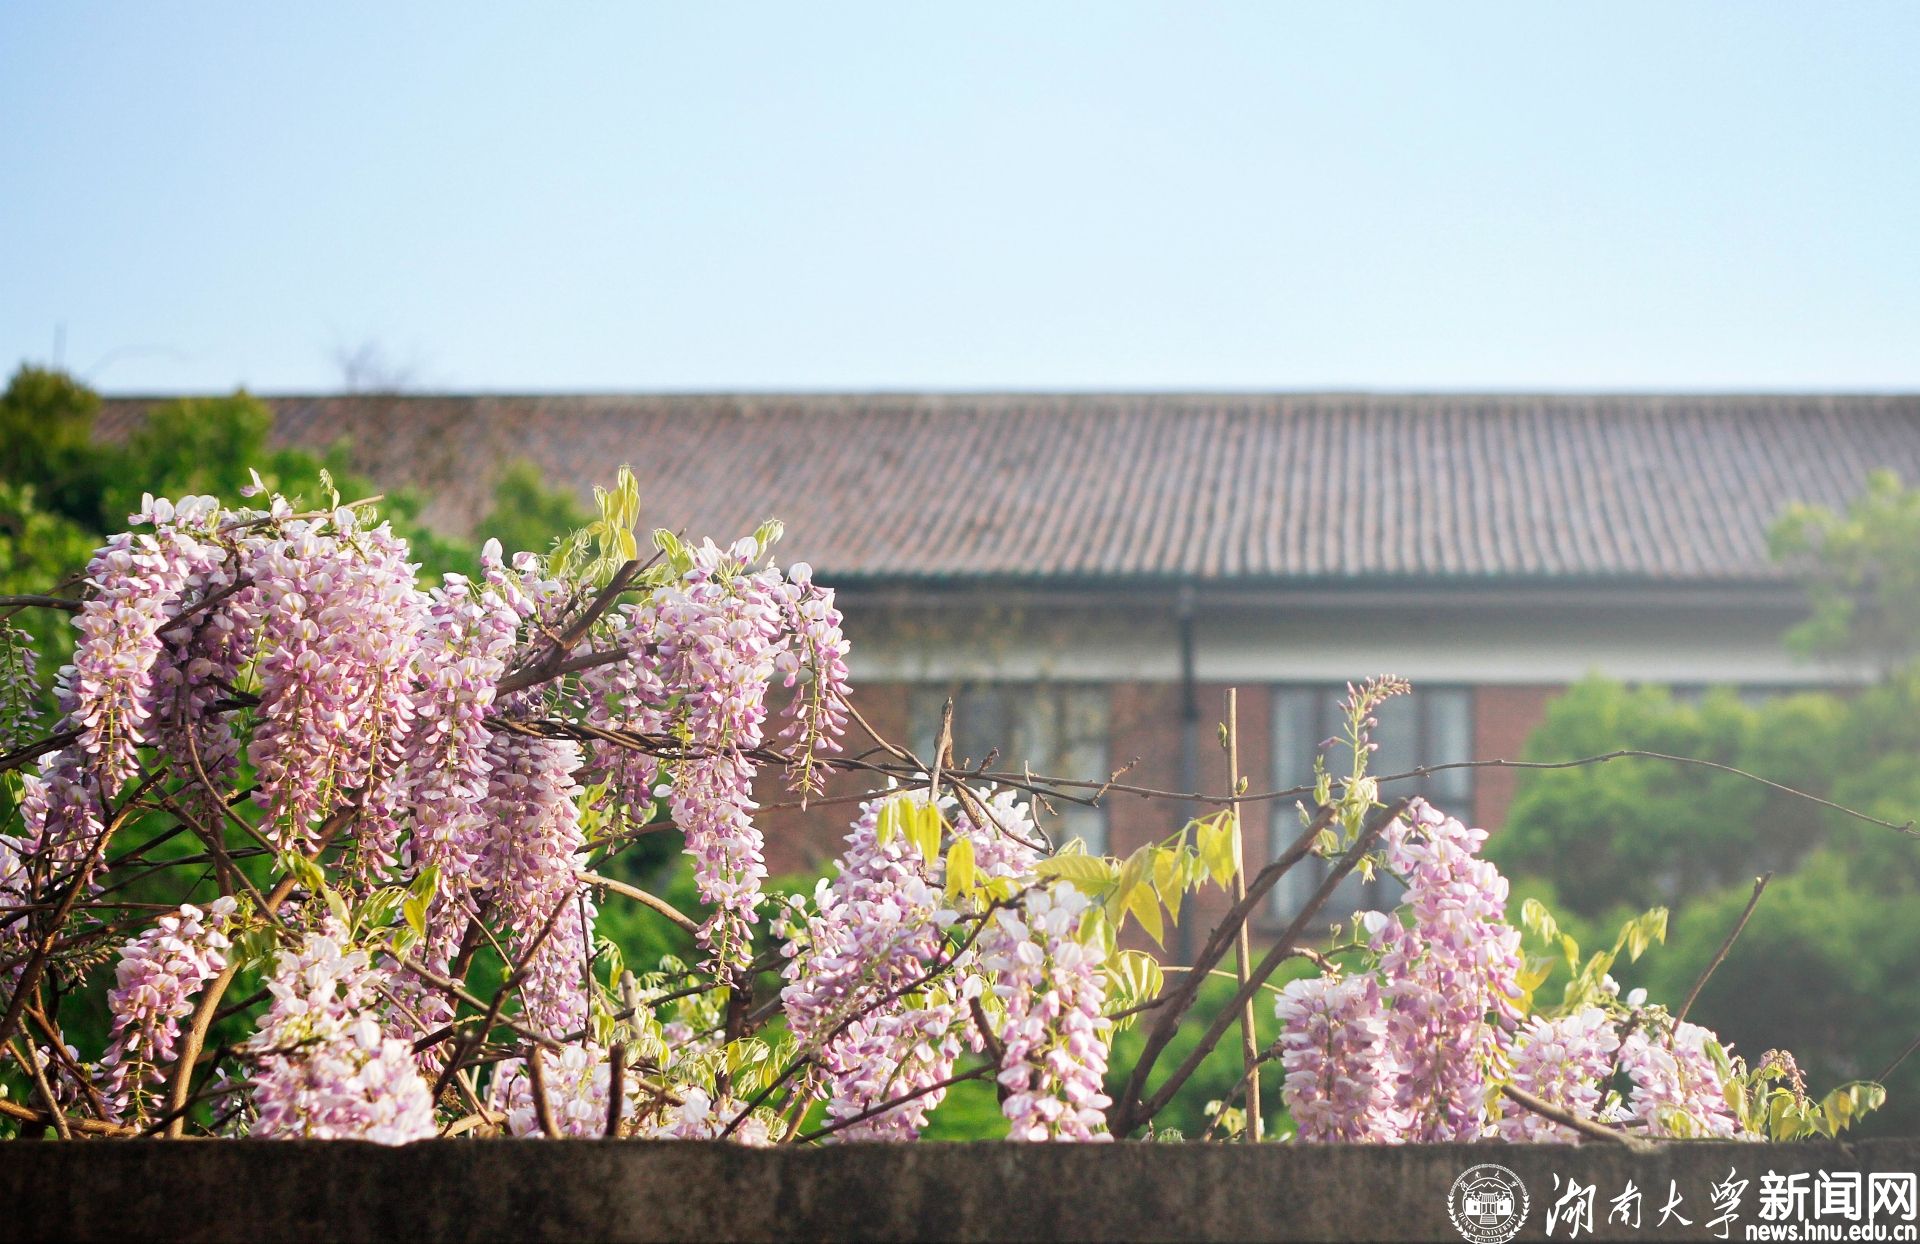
(640, 896)
(1759, 886)
(31, 601)
(895, 1104)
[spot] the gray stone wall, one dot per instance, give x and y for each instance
(633, 1190)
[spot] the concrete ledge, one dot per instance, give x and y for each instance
(638, 1190)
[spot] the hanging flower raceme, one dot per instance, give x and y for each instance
(19, 688)
(883, 980)
(1449, 977)
(1054, 1038)
(1342, 1078)
(323, 1068)
(862, 999)
(466, 640)
(712, 641)
(531, 871)
(158, 977)
(341, 619)
(1565, 1062)
(815, 662)
(1677, 1089)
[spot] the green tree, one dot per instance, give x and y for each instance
(1829, 965)
(1861, 567)
(46, 423)
(63, 489)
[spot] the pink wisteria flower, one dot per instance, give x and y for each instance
(1565, 1062)
(1342, 1078)
(323, 1068)
(158, 977)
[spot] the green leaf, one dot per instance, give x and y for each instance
(1132, 874)
(1217, 838)
(628, 512)
(303, 870)
(961, 873)
(923, 824)
(675, 548)
(415, 911)
(1146, 908)
(1092, 875)
(377, 911)
(1535, 917)
(888, 822)
(1845, 1105)
(1169, 879)
(1642, 931)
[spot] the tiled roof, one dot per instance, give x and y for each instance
(1211, 487)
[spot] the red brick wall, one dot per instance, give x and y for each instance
(1146, 728)
(1502, 719)
(807, 842)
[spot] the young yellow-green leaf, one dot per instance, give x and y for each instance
(1841, 1108)
(675, 548)
(1133, 874)
(923, 824)
(1536, 971)
(1642, 931)
(1092, 875)
(629, 489)
(1535, 917)
(960, 870)
(304, 870)
(1169, 879)
(888, 823)
(415, 911)
(377, 911)
(1216, 840)
(1146, 908)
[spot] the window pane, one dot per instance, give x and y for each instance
(1397, 736)
(1449, 740)
(1432, 726)
(1058, 731)
(1081, 755)
(1297, 730)
(1300, 717)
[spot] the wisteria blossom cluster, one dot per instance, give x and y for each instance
(901, 964)
(323, 1067)
(155, 981)
(1417, 1046)
(407, 762)
(711, 644)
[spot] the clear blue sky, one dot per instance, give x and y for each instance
(617, 196)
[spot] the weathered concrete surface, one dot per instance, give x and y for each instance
(635, 1190)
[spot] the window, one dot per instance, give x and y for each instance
(1055, 729)
(1433, 725)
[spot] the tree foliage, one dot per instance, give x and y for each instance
(1830, 962)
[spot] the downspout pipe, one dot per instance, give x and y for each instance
(1184, 611)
